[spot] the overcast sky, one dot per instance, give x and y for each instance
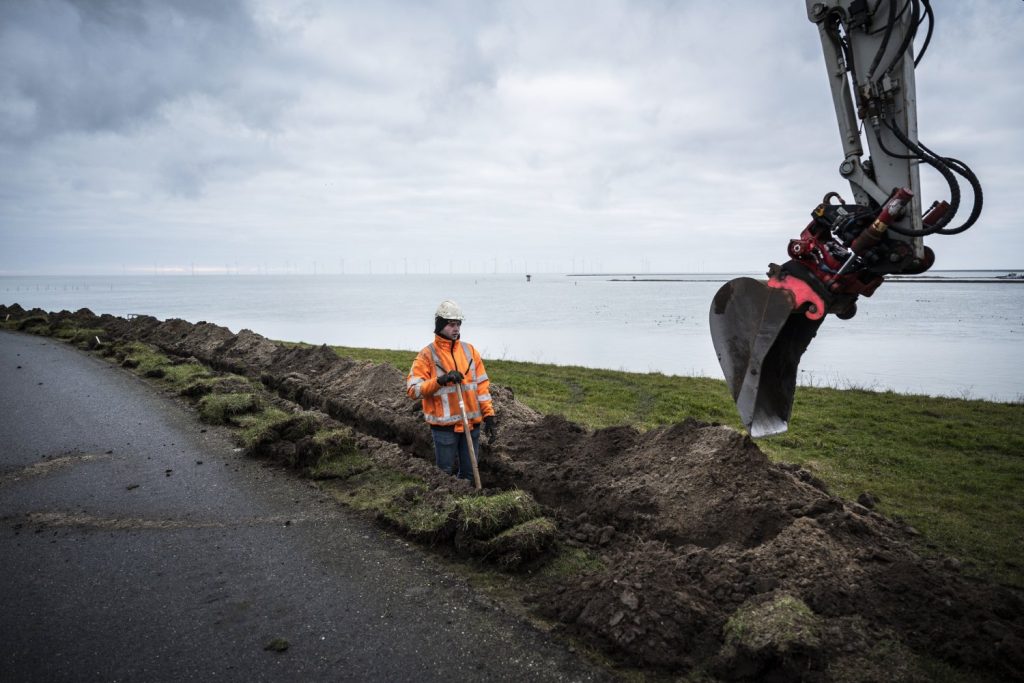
(451, 136)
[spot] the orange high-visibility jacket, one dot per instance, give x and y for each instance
(441, 404)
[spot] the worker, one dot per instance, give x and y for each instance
(440, 372)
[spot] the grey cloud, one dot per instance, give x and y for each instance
(110, 66)
(358, 128)
(182, 179)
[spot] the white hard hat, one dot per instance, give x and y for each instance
(449, 310)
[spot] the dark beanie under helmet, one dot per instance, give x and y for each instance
(439, 324)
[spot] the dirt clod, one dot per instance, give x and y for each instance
(277, 645)
(868, 500)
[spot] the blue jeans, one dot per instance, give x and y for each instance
(452, 454)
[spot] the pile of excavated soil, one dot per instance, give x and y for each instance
(696, 524)
(712, 556)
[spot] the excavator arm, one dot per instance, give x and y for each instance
(760, 329)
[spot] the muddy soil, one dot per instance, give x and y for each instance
(714, 559)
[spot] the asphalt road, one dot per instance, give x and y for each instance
(137, 545)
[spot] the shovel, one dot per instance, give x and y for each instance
(760, 330)
(469, 440)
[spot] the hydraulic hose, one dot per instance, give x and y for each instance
(908, 39)
(939, 165)
(885, 40)
(979, 199)
(956, 166)
(931, 27)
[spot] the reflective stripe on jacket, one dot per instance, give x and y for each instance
(441, 404)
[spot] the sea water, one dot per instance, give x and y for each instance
(958, 334)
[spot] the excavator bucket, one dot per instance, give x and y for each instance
(760, 330)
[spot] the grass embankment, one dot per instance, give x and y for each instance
(506, 529)
(952, 468)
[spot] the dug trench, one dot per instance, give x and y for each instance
(706, 558)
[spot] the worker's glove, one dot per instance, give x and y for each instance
(453, 377)
(491, 427)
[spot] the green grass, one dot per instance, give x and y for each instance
(787, 626)
(143, 358)
(34, 324)
(189, 377)
(223, 408)
(522, 542)
(341, 458)
(202, 384)
(952, 468)
(183, 374)
(569, 562)
(400, 359)
(419, 517)
(79, 335)
(484, 516)
(373, 489)
(257, 427)
(783, 623)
